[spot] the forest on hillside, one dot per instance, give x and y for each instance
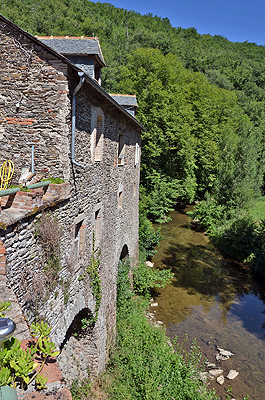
(202, 101)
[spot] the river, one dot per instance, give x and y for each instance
(215, 300)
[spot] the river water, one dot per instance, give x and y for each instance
(215, 300)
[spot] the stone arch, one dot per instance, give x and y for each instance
(79, 351)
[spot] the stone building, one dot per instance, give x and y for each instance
(83, 136)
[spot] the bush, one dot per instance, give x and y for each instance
(146, 279)
(160, 195)
(209, 213)
(148, 238)
(80, 390)
(243, 239)
(234, 231)
(19, 366)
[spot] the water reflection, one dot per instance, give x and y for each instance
(202, 275)
(216, 300)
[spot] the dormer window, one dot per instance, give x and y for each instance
(127, 101)
(84, 52)
(97, 76)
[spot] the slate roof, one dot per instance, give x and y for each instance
(89, 80)
(74, 46)
(125, 99)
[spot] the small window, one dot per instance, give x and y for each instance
(137, 154)
(98, 74)
(97, 136)
(99, 139)
(79, 238)
(134, 189)
(120, 194)
(120, 200)
(121, 149)
(98, 223)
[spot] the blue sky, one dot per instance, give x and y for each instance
(238, 21)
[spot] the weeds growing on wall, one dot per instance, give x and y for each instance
(143, 365)
(4, 306)
(80, 390)
(95, 281)
(48, 233)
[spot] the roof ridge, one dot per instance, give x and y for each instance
(68, 37)
(122, 94)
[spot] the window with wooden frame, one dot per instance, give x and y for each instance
(99, 139)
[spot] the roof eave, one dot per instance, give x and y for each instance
(114, 102)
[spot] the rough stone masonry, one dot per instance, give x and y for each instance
(101, 214)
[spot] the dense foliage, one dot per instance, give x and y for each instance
(233, 230)
(143, 364)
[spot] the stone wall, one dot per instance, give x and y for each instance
(103, 202)
(34, 105)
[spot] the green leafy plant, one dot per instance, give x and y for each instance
(4, 306)
(17, 365)
(66, 286)
(86, 322)
(145, 278)
(148, 237)
(143, 365)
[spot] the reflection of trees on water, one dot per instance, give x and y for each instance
(203, 270)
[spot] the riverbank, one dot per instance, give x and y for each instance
(215, 300)
(144, 364)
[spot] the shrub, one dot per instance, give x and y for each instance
(80, 390)
(209, 213)
(146, 279)
(148, 238)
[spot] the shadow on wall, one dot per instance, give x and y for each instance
(124, 252)
(79, 354)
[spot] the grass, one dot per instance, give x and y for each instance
(143, 366)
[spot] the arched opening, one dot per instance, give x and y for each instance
(79, 355)
(124, 252)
